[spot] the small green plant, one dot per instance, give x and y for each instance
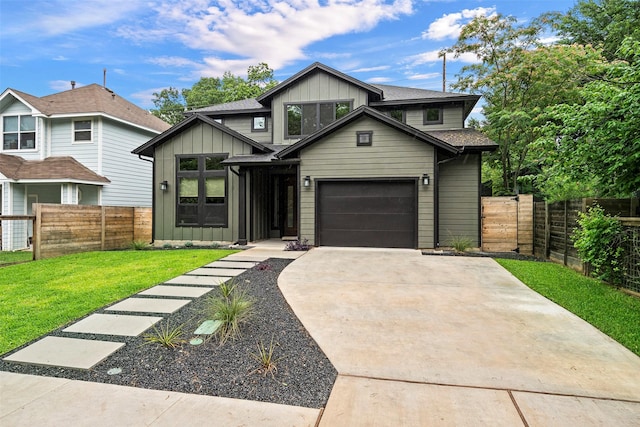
(166, 246)
(165, 335)
(599, 240)
(226, 288)
(232, 310)
(216, 245)
(188, 244)
(461, 243)
(265, 358)
(139, 245)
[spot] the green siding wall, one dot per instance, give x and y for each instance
(242, 124)
(452, 118)
(317, 87)
(459, 199)
(392, 154)
(199, 139)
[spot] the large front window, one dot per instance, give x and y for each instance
(18, 133)
(306, 118)
(202, 191)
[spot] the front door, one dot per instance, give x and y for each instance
(289, 205)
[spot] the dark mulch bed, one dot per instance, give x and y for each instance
(505, 255)
(304, 375)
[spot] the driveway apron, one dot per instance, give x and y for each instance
(454, 341)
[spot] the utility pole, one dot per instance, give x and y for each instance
(444, 71)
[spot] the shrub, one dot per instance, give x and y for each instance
(188, 244)
(232, 310)
(266, 359)
(599, 240)
(298, 245)
(170, 337)
(139, 245)
(461, 243)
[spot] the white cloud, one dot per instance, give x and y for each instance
(379, 80)
(368, 70)
(450, 25)
(433, 56)
(60, 58)
(272, 31)
(145, 98)
(427, 76)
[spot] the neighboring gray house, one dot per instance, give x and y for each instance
(324, 157)
(72, 147)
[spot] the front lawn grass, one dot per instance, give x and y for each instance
(40, 296)
(613, 312)
(7, 257)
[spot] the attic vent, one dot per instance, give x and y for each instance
(73, 84)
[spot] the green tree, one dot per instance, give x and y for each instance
(600, 23)
(595, 144)
(518, 78)
(171, 103)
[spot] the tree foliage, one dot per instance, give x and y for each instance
(603, 24)
(171, 103)
(596, 142)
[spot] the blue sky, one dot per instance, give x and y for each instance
(148, 45)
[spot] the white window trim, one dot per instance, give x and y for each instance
(18, 150)
(73, 130)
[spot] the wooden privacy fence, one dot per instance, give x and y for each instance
(507, 224)
(66, 229)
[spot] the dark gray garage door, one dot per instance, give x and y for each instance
(367, 213)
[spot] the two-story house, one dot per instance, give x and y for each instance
(325, 157)
(72, 147)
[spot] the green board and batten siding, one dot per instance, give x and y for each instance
(392, 155)
(317, 87)
(452, 118)
(459, 202)
(198, 139)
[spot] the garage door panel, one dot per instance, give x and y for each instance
(367, 213)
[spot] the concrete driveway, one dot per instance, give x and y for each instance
(429, 340)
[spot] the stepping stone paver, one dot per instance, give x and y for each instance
(176, 291)
(66, 352)
(246, 258)
(198, 280)
(232, 264)
(216, 272)
(149, 305)
(208, 327)
(114, 324)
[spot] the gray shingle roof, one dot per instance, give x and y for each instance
(401, 93)
(63, 168)
(245, 104)
(93, 99)
(467, 138)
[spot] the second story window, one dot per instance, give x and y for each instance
(82, 131)
(18, 133)
(306, 118)
(432, 116)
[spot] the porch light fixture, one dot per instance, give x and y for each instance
(425, 179)
(164, 186)
(307, 181)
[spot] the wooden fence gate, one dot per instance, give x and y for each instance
(507, 224)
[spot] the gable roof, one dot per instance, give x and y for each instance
(399, 95)
(245, 106)
(265, 98)
(147, 148)
(90, 100)
(59, 169)
(373, 114)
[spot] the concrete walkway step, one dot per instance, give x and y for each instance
(198, 280)
(149, 305)
(65, 352)
(218, 272)
(231, 264)
(176, 291)
(113, 324)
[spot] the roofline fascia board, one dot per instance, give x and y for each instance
(190, 121)
(374, 114)
(58, 181)
(229, 112)
(443, 100)
(314, 67)
(33, 109)
(274, 162)
(101, 114)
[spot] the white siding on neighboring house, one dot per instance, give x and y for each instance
(19, 109)
(62, 143)
(130, 176)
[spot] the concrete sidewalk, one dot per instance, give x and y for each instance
(432, 340)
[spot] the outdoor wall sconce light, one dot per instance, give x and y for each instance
(425, 179)
(307, 181)
(164, 185)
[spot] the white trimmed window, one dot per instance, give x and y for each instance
(18, 133)
(82, 131)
